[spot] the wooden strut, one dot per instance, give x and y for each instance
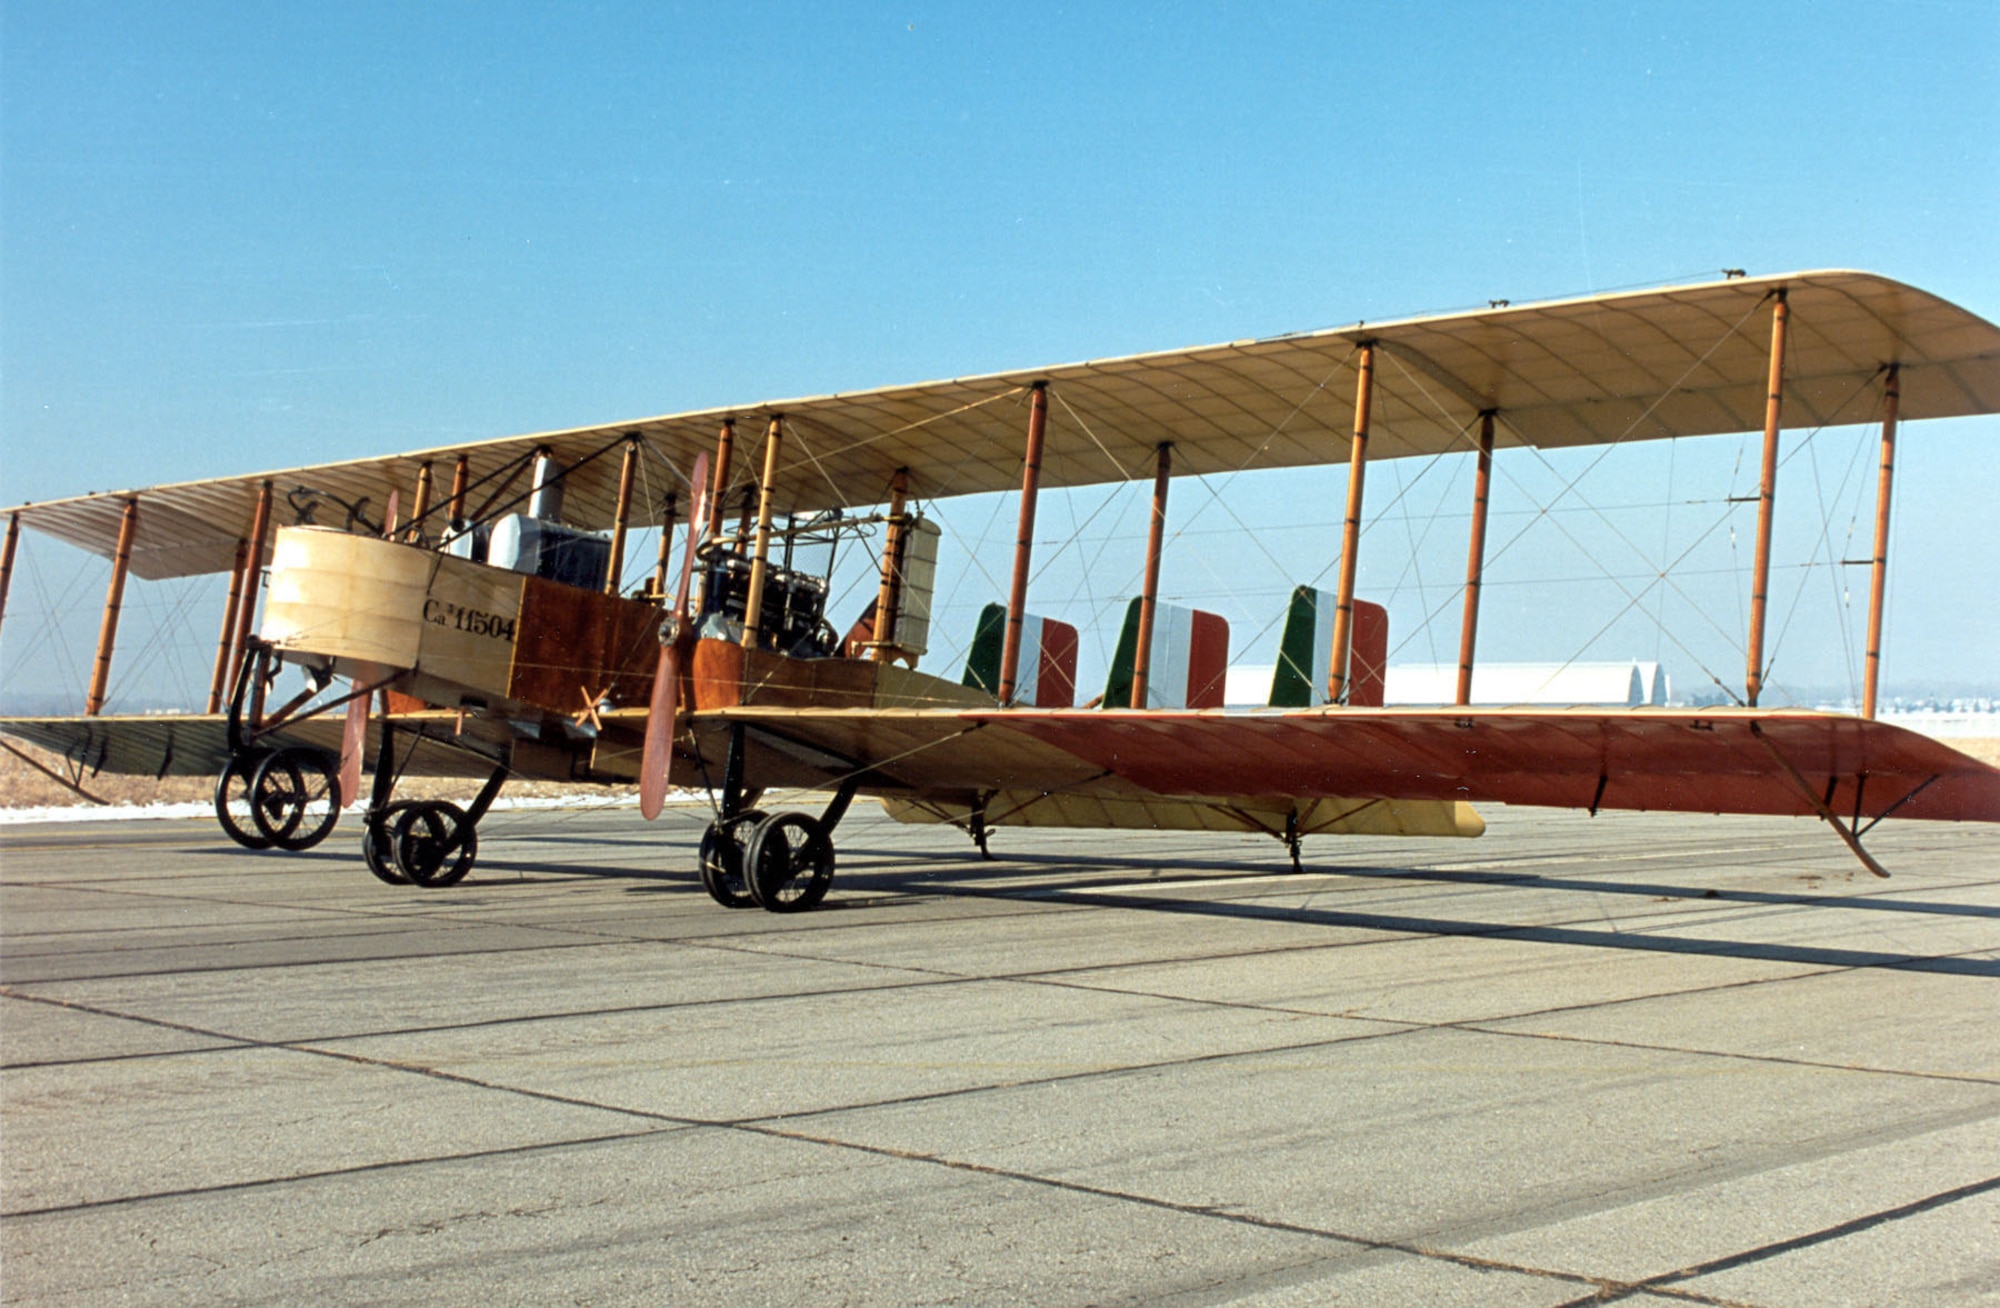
(1475, 558)
(220, 679)
(421, 506)
(1149, 591)
(760, 559)
(621, 516)
(1819, 805)
(114, 600)
(1024, 542)
(889, 599)
(668, 512)
(1878, 572)
(461, 474)
(1767, 489)
(253, 570)
(7, 560)
(1350, 531)
(725, 449)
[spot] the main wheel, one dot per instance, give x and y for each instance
(722, 852)
(434, 845)
(378, 843)
(232, 790)
(789, 863)
(295, 798)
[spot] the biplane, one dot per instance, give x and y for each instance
(459, 611)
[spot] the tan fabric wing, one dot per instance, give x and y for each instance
(1680, 361)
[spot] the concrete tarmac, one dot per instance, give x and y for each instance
(1632, 1058)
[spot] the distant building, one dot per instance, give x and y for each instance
(1624, 685)
(1628, 685)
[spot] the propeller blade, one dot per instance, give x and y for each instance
(657, 761)
(353, 741)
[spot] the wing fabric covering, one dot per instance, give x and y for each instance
(1619, 367)
(1676, 761)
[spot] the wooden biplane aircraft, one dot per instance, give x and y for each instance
(481, 632)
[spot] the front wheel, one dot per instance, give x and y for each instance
(377, 843)
(295, 799)
(232, 791)
(722, 854)
(433, 844)
(789, 863)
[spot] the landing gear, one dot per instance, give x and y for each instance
(789, 864)
(434, 843)
(291, 794)
(1293, 839)
(378, 843)
(295, 798)
(782, 862)
(976, 827)
(232, 791)
(425, 842)
(292, 798)
(724, 848)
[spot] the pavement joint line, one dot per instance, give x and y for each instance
(162, 973)
(332, 1173)
(756, 1126)
(1837, 1231)
(399, 914)
(1606, 1289)
(1480, 1026)
(1483, 1025)
(1051, 977)
(1217, 1213)
(11, 991)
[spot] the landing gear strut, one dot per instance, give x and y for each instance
(426, 842)
(292, 795)
(782, 862)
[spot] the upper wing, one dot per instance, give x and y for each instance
(1717, 761)
(1683, 361)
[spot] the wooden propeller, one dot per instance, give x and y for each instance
(658, 759)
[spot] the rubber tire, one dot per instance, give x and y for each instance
(376, 848)
(789, 864)
(423, 844)
(244, 766)
(722, 853)
(288, 781)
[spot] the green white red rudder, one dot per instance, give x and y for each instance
(1046, 677)
(1189, 662)
(1305, 653)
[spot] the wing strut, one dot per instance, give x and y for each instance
(1878, 570)
(1149, 592)
(7, 561)
(1475, 562)
(1024, 543)
(1827, 815)
(1350, 532)
(114, 600)
(1767, 493)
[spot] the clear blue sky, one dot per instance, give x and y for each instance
(236, 236)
